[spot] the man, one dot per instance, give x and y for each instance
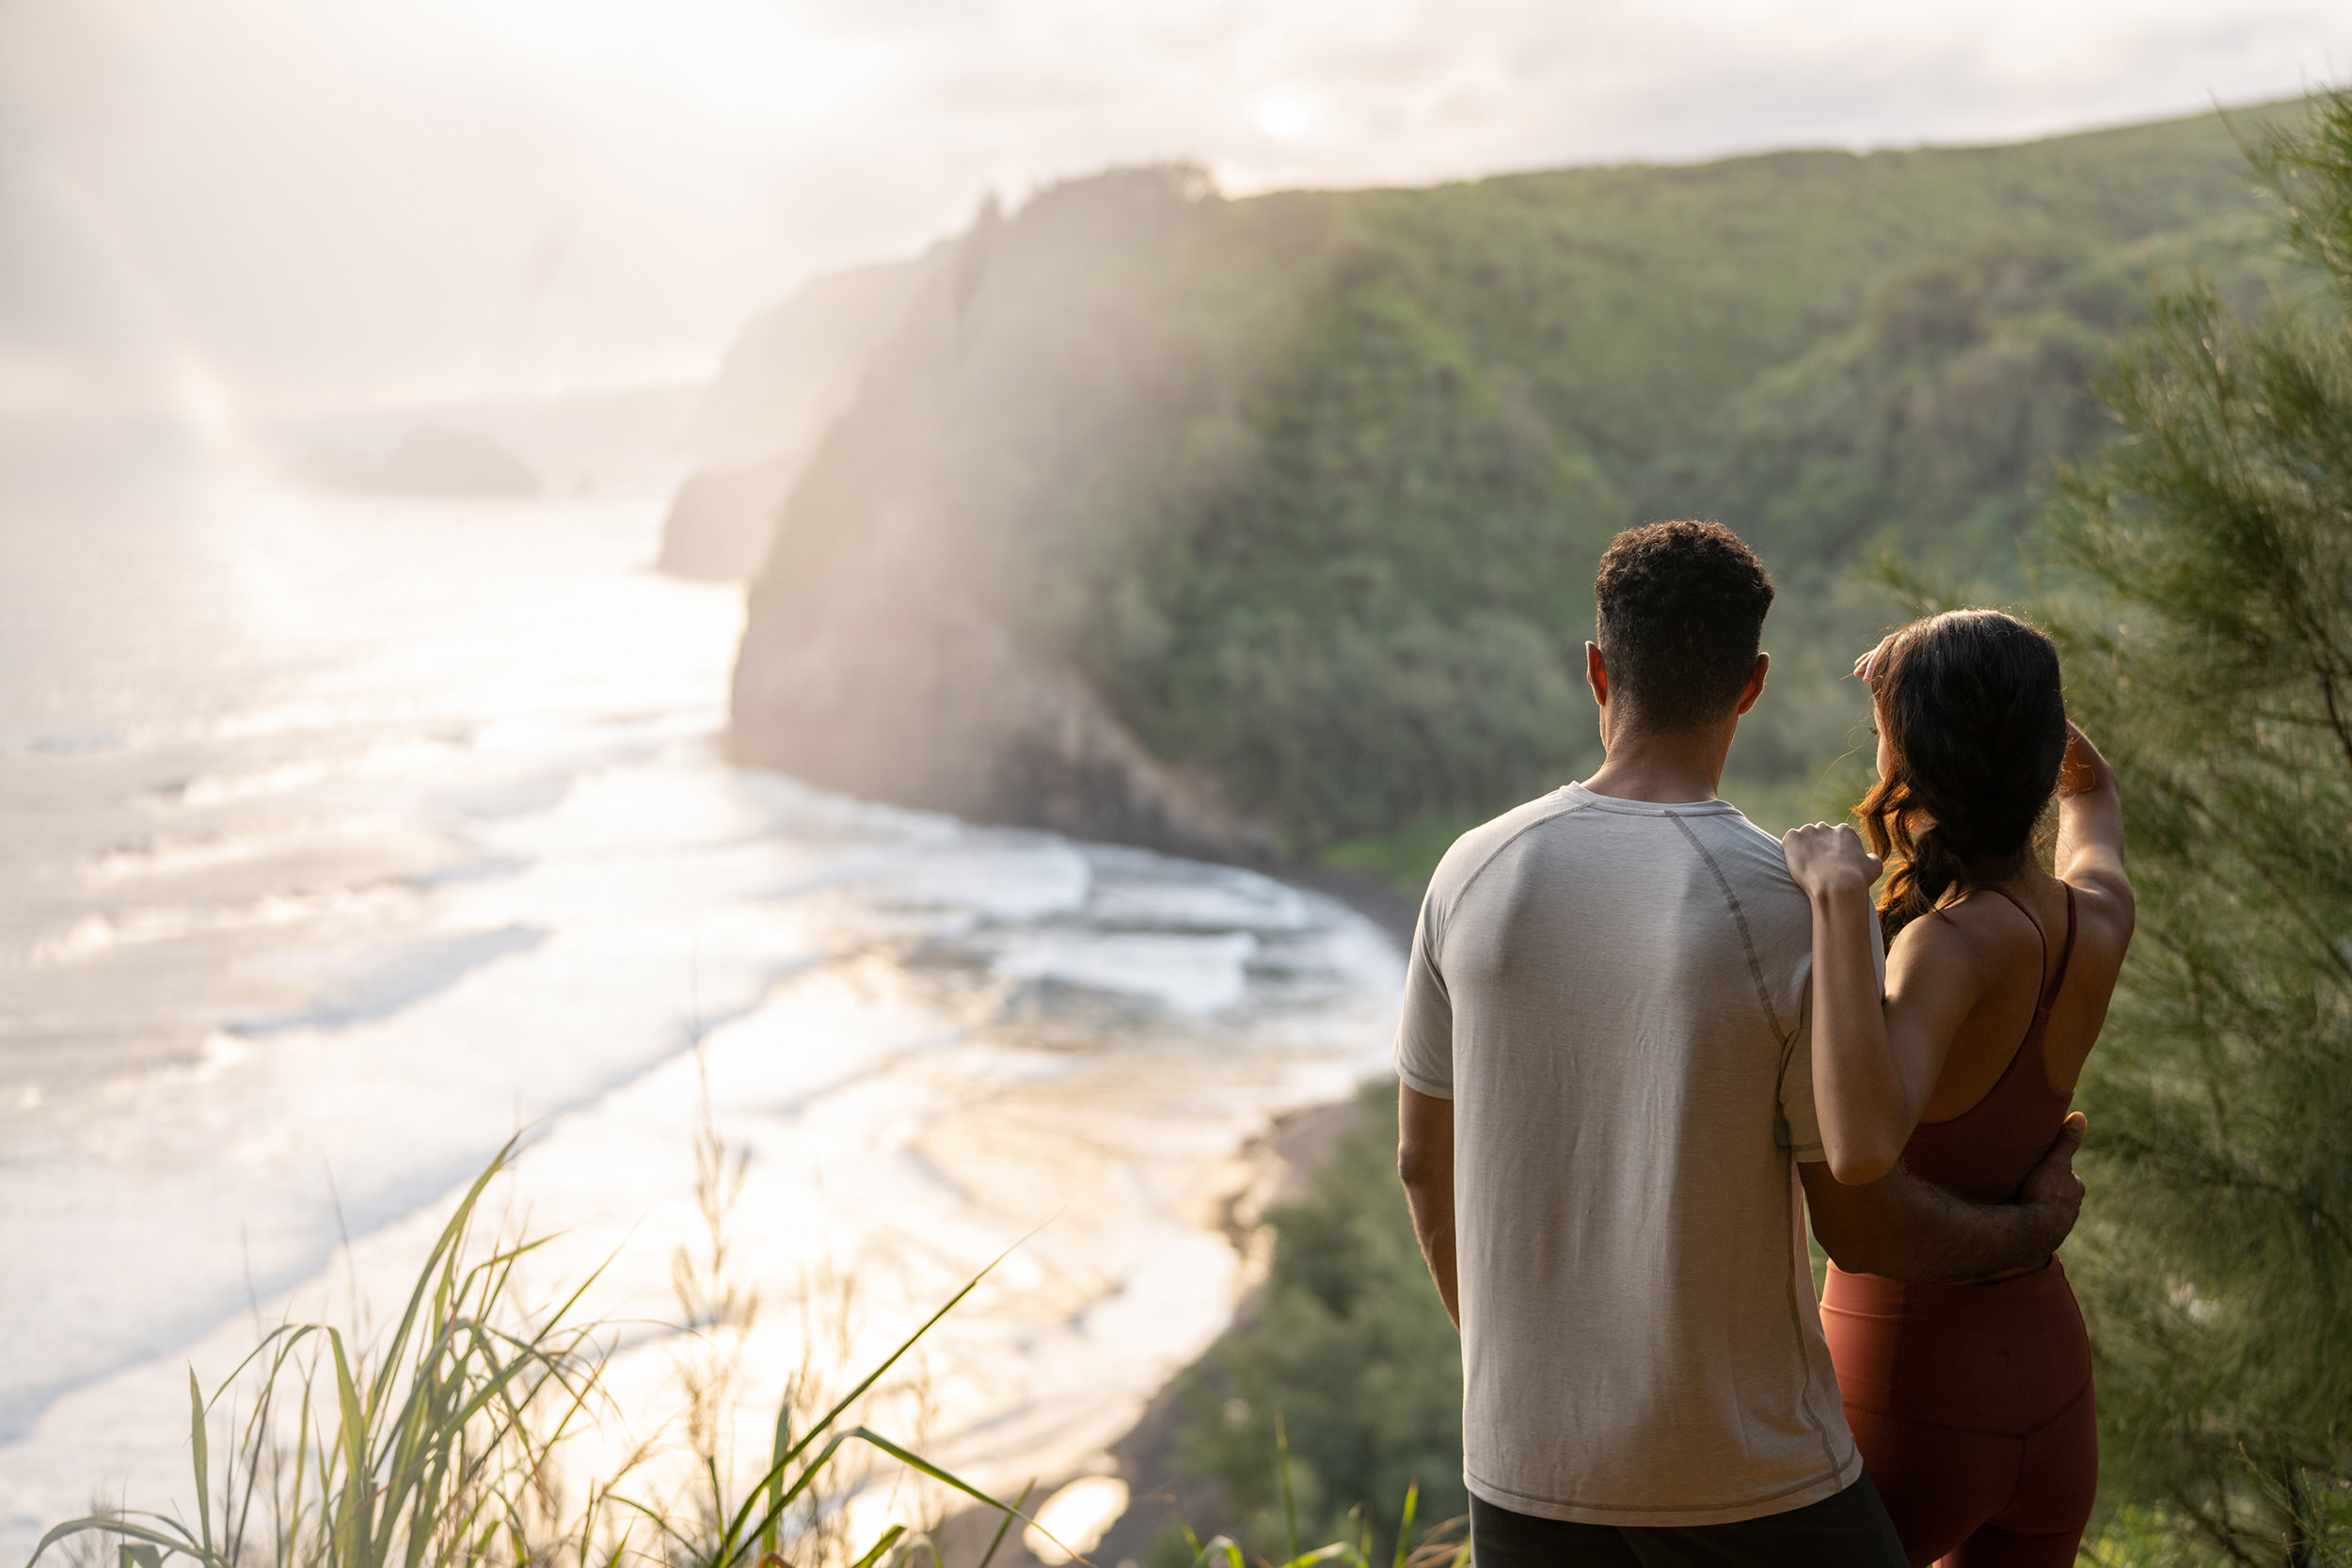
(1606, 1101)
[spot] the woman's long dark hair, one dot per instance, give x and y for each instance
(1969, 702)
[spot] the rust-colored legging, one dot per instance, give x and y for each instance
(1972, 1405)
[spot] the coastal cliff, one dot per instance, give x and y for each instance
(920, 698)
(910, 634)
(786, 379)
(1268, 526)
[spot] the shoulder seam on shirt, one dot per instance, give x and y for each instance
(1471, 881)
(1747, 943)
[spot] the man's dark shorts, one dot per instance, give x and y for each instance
(1849, 1530)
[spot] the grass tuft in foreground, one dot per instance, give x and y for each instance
(443, 1444)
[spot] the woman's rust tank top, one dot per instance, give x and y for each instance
(1983, 1153)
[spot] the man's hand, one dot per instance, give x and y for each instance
(1826, 859)
(1903, 1228)
(2052, 1192)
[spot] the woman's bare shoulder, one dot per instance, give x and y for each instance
(1983, 922)
(2106, 913)
(1954, 944)
(1986, 942)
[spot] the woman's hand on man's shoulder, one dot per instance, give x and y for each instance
(1828, 858)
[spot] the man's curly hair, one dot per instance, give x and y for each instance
(1681, 615)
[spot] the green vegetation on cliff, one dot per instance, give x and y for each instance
(1309, 486)
(1348, 1351)
(2200, 575)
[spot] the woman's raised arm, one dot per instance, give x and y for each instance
(2090, 824)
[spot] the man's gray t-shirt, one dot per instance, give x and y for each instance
(1614, 995)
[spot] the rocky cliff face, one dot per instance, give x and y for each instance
(1305, 492)
(921, 699)
(910, 632)
(786, 379)
(722, 521)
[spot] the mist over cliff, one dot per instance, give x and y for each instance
(1267, 525)
(786, 379)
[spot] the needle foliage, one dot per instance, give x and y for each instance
(2217, 670)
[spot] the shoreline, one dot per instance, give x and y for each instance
(1290, 1153)
(1368, 896)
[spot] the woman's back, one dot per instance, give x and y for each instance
(1983, 1152)
(2008, 1075)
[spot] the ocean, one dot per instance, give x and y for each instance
(344, 837)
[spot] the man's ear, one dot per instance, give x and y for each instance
(1756, 683)
(1597, 673)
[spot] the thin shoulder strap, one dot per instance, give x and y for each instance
(2044, 1005)
(2066, 955)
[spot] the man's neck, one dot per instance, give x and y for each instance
(1667, 769)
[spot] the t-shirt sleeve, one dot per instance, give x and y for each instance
(1800, 1120)
(1424, 1030)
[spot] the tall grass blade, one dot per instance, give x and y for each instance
(924, 1467)
(1004, 1526)
(292, 1525)
(776, 1451)
(351, 1436)
(179, 1541)
(728, 1551)
(1290, 1502)
(1343, 1551)
(734, 1531)
(921, 1543)
(874, 1553)
(896, 1356)
(440, 1262)
(1221, 1546)
(200, 1453)
(1405, 1531)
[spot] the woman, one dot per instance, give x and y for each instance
(1972, 1403)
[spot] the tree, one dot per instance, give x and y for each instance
(1349, 1357)
(2216, 669)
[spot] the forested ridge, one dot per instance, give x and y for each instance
(2197, 571)
(1309, 486)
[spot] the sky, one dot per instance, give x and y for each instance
(302, 204)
